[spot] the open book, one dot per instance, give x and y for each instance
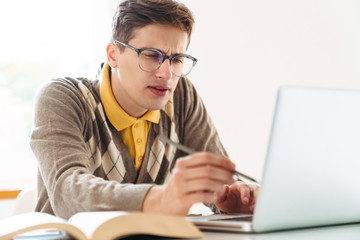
(101, 225)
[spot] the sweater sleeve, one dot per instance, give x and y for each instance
(67, 183)
(199, 132)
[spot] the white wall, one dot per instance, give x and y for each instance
(248, 48)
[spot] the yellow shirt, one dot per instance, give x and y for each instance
(133, 131)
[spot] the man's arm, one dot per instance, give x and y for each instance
(199, 133)
(69, 174)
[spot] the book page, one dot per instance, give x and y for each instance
(88, 222)
(26, 222)
(112, 225)
(138, 223)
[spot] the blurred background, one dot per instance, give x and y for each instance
(245, 50)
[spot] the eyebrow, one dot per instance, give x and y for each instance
(160, 51)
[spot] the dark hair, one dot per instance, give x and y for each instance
(132, 14)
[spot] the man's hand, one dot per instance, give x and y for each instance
(199, 177)
(237, 198)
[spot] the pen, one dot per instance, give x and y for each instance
(191, 151)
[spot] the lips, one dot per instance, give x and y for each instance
(159, 90)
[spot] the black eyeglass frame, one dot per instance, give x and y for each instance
(164, 57)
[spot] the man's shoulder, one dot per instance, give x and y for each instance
(185, 88)
(68, 85)
(68, 91)
(71, 83)
(185, 83)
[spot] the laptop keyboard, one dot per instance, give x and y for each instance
(239, 219)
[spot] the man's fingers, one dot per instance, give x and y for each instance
(245, 192)
(203, 197)
(223, 195)
(205, 158)
(202, 185)
(200, 177)
(255, 190)
(211, 172)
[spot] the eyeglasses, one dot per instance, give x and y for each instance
(150, 60)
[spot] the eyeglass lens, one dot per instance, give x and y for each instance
(151, 60)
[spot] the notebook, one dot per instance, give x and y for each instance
(311, 175)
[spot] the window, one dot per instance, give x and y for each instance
(41, 40)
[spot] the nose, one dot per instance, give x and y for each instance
(164, 71)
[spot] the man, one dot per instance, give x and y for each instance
(97, 141)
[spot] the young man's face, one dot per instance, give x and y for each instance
(138, 91)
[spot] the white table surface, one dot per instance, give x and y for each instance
(343, 232)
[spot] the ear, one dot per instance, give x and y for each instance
(111, 52)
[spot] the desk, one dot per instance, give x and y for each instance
(343, 232)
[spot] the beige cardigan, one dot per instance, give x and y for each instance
(83, 163)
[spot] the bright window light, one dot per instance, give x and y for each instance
(41, 40)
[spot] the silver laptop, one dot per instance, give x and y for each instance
(312, 170)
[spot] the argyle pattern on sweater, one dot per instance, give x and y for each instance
(107, 154)
(83, 164)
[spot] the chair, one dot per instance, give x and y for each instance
(25, 201)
